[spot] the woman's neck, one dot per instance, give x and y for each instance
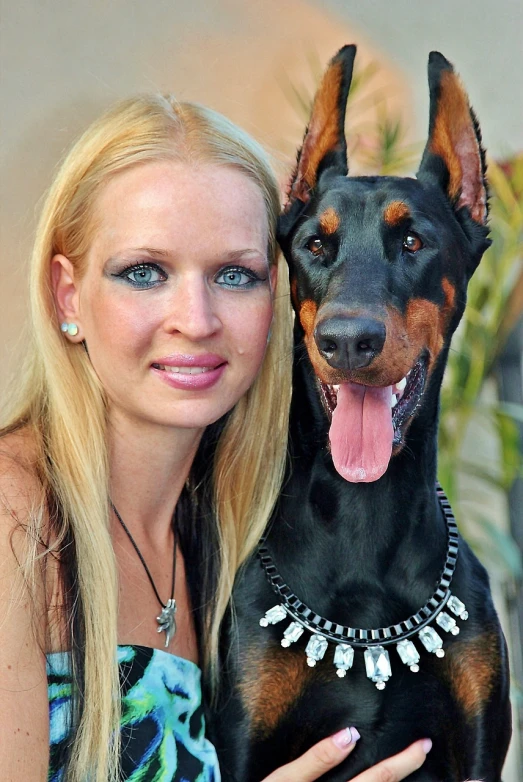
(148, 469)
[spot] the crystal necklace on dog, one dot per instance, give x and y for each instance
(166, 620)
(374, 641)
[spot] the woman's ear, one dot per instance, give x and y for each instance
(66, 297)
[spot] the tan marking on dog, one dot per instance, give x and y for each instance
(273, 682)
(450, 293)
(307, 315)
(422, 323)
(396, 212)
(454, 140)
(322, 135)
(329, 221)
(294, 293)
(449, 305)
(472, 668)
(452, 115)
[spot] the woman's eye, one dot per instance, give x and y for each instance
(411, 242)
(236, 278)
(144, 275)
(315, 246)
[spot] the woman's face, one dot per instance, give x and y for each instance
(175, 303)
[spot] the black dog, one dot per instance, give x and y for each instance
(362, 553)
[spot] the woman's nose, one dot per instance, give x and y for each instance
(193, 311)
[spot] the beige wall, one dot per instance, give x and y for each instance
(481, 37)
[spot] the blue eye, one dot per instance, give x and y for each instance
(237, 277)
(143, 275)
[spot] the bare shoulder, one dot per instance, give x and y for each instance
(19, 459)
(22, 502)
(21, 494)
(21, 498)
(24, 721)
(20, 484)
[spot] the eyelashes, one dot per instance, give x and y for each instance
(142, 275)
(238, 277)
(150, 275)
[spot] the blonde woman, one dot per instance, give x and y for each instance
(151, 389)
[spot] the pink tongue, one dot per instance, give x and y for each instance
(361, 432)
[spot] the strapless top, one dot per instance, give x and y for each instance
(162, 723)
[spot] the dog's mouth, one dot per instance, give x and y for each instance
(368, 423)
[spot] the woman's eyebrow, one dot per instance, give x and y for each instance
(236, 255)
(231, 256)
(132, 250)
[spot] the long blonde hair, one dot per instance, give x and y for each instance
(61, 401)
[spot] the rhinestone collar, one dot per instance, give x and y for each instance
(374, 641)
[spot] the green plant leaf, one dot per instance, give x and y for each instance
(513, 410)
(504, 544)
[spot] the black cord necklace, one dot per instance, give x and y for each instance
(166, 620)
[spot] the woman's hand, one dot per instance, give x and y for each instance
(331, 751)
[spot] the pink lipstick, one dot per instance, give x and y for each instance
(190, 372)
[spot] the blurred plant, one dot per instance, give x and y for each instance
(469, 400)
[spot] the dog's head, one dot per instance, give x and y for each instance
(379, 266)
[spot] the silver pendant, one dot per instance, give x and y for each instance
(167, 621)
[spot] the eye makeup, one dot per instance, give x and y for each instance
(142, 275)
(144, 272)
(238, 277)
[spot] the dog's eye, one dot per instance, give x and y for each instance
(315, 246)
(411, 242)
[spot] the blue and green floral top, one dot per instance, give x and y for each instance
(162, 725)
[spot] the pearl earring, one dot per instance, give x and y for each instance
(69, 328)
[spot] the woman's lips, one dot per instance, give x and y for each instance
(190, 372)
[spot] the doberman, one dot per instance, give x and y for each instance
(376, 632)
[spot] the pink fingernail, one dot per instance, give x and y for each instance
(427, 745)
(346, 737)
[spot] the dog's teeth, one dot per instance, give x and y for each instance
(393, 400)
(401, 385)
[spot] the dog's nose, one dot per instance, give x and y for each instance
(350, 343)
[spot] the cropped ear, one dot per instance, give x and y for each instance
(324, 146)
(453, 157)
